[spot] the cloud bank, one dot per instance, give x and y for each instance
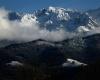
(26, 30)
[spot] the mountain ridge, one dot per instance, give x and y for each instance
(71, 20)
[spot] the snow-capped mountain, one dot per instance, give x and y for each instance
(46, 53)
(45, 24)
(55, 18)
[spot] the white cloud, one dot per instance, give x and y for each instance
(27, 29)
(20, 30)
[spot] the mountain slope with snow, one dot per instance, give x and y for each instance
(55, 18)
(95, 13)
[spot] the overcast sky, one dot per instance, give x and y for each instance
(30, 5)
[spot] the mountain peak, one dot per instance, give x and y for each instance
(55, 9)
(56, 18)
(53, 18)
(58, 9)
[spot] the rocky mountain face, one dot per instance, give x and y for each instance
(95, 13)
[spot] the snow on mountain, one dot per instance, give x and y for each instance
(29, 19)
(15, 63)
(73, 63)
(95, 13)
(54, 18)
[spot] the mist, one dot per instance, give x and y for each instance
(26, 30)
(29, 30)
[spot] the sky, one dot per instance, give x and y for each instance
(31, 5)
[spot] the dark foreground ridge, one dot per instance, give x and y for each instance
(42, 60)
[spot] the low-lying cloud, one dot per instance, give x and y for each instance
(26, 31)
